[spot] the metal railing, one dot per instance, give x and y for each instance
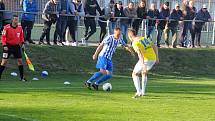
(209, 28)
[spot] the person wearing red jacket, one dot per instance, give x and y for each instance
(13, 42)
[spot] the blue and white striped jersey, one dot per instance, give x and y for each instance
(110, 45)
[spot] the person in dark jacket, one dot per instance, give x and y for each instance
(201, 17)
(131, 13)
(63, 21)
(2, 7)
(119, 11)
(172, 26)
(152, 14)
(189, 14)
(110, 11)
(164, 14)
(72, 29)
(90, 8)
(141, 13)
(50, 17)
(28, 19)
(106, 13)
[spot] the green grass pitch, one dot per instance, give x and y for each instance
(173, 93)
(48, 99)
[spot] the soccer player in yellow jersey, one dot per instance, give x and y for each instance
(148, 56)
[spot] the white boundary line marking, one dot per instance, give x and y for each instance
(18, 117)
(46, 88)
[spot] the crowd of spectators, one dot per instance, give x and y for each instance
(65, 14)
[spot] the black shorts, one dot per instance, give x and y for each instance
(12, 49)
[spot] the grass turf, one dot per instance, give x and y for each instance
(175, 92)
(168, 99)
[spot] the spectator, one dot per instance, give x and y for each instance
(28, 19)
(110, 11)
(107, 13)
(131, 13)
(172, 26)
(141, 13)
(2, 7)
(50, 17)
(103, 24)
(62, 21)
(90, 8)
(119, 11)
(164, 14)
(152, 14)
(204, 16)
(78, 11)
(190, 15)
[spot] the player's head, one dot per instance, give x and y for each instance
(131, 34)
(15, 20)
(54, 1)
(117, 32)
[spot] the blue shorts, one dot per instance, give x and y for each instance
(104, 63)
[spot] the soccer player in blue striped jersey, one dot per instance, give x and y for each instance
(104, 53)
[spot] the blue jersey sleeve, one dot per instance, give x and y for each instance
(122, 42)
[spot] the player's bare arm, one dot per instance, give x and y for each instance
(156, 52)
(99, 48)
(129, 49)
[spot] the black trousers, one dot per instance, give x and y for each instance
(46, 31)
(27, 27)
(1, 22)
(103, 31)
(60, 28)
(89, 23)
(196, 35)
(72, 25)
(136, 25)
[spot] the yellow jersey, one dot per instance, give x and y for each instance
(145, 47)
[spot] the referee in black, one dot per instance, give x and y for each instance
(13, 42)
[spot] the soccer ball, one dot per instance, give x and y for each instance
(107, 87)
(44, 73)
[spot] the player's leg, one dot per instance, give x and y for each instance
(107, 74)
(18, 55)
(144, 82)
(5, 56)
(2, 67)
(101, 64)
(96, 75)
(149, 65)
(136, 79)
(21, 69)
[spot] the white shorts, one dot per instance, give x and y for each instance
(139, 67)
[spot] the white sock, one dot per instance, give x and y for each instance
(136, 81)
(144, 82)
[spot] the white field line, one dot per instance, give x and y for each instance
(18, 117)
(46, 88)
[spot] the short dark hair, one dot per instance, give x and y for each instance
(117, 29)
(120, 3)
(133, 31)
(131, 3)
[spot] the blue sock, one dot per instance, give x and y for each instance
(103, 78)
(95, 76)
